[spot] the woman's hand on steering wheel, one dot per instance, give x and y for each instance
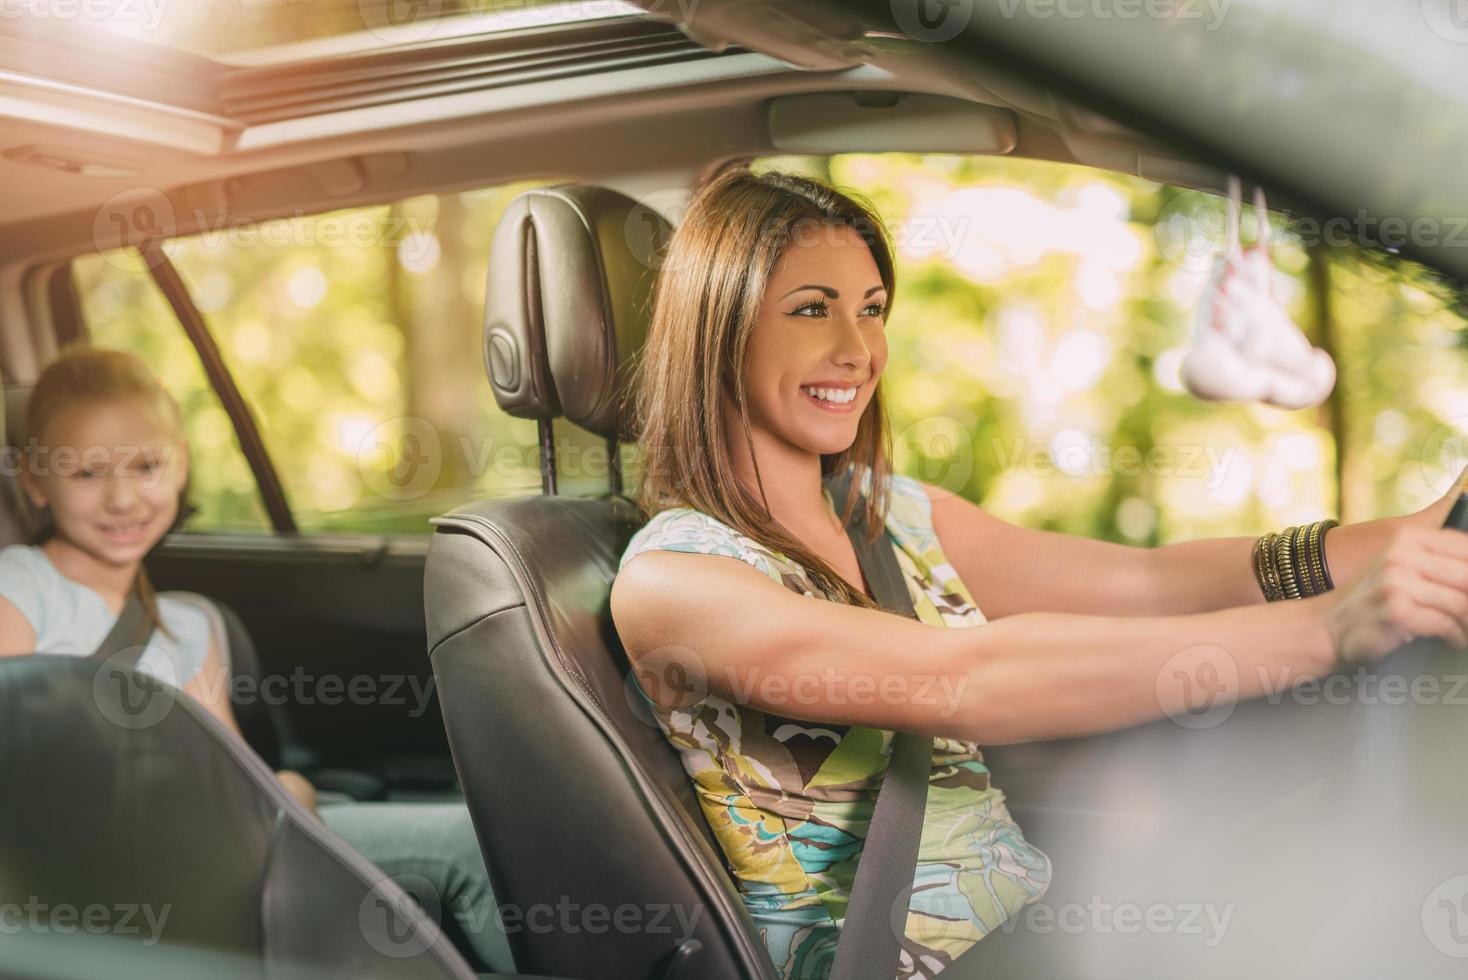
(1416, 586)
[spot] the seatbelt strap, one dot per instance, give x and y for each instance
(870, 943)
(129, 636)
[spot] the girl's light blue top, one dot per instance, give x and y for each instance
(71, 619)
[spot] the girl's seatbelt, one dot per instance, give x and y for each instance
(129, 636)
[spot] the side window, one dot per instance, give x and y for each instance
(124, 308)
(355, 338)
(1041, 314)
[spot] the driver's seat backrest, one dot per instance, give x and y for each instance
(578, 800)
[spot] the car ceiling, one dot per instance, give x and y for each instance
(1344, 109)
(645, 106)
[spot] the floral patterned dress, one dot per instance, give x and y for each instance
(790, 801)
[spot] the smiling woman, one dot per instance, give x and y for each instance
(787, 754)
(760, 382)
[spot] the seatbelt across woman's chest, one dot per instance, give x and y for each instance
(876, 910)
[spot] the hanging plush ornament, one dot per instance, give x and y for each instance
(1245, 346)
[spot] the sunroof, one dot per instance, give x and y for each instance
(269, 31)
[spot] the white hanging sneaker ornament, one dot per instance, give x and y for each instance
(1245, 346)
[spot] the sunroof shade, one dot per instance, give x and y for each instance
(252, 32)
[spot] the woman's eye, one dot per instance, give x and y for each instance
(821, 308)
(85, 474)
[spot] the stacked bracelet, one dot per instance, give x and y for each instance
(1290, 564)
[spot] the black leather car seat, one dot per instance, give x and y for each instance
(578, 800)
(121, 793)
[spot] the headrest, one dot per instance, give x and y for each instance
(568, 303)
(17, 397)
(17, 518)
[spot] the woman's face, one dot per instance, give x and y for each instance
(819, 345)
(111, 474)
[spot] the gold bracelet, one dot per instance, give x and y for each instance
(1312, 559)
(1300, 561)
(1326, 525)
(1284, 563)
(1290, 564)
(1270, 579)
(1305, 567)
(1256, 557)
(1272, 589)
(1271, 565)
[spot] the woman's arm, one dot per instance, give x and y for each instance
(1213, 573)
(1349, 548)
(1011, 569)
(686, 621)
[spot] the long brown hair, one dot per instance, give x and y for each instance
(706, 302)
(84, 374)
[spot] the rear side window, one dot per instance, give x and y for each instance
(355, 338)
(124, 308)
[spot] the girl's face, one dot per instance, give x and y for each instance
(111, 472)
(820, 345)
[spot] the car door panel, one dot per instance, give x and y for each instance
(337, 622)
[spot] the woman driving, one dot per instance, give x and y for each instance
(760, 379)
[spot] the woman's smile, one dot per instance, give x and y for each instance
(840, 400)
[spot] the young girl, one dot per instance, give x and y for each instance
(759, 378)
(106, 475)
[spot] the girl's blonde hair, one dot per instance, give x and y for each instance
(706, 302)
(82, 374)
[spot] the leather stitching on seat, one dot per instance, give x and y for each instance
(485, 618)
